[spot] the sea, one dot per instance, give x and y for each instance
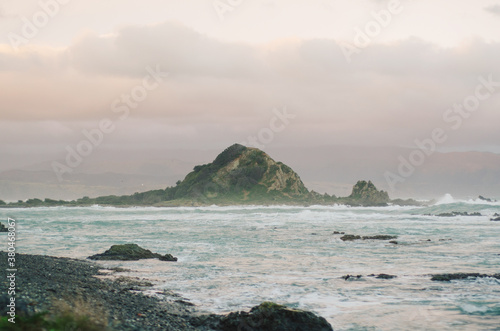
(234, 258)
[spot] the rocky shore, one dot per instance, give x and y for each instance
(81, 289)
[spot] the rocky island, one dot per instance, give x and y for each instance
(238, 176)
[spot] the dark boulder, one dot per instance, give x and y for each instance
(3, 228)
(347, 277)
(168, 258)
(269, 316)
(385, 276)
(130, 252)
(350, 237)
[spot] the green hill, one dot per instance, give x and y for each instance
(239, 175)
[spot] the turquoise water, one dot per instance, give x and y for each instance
(233, 258)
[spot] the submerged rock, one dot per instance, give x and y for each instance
(351, 237)
(130, 252)
(458, 213)
(270, 316)
(346, 277)
(385, 276)
(380, 237)
(379, 276)
(450, 277)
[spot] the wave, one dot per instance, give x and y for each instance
(448, 199)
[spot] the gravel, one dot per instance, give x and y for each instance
(43, 281)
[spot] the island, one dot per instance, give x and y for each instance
(239, 175)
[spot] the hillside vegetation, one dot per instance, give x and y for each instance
(239, 175)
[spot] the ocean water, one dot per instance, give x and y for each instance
(232, 258)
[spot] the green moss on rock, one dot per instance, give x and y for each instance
(130, 252)
(270, 316)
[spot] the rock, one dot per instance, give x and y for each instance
(269, 316)
(486, 199)
(495, 219)
(366, 194)
(130, 252)
(3, 228)
(458, 213)
(385, 276)
(167, 257)
(379, 237)
(346, 277)
(185, 303)
(450, 277)
(393, 242)
(350, 237)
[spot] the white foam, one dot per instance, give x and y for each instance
(449, 199)
(446, 199)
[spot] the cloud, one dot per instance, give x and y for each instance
(493, 9)
(175, 47)
(389, 95)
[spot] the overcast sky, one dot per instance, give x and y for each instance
(231, 68)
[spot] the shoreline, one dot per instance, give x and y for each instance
(52, 284)
(42, 281)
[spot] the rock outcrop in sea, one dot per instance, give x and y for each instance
(460, 275)
(365, 193)
(270, 316)
(458, 213)
(130, 252)
(352, 237)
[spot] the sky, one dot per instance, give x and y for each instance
(204, 74)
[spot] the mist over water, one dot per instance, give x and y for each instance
(233, 258)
